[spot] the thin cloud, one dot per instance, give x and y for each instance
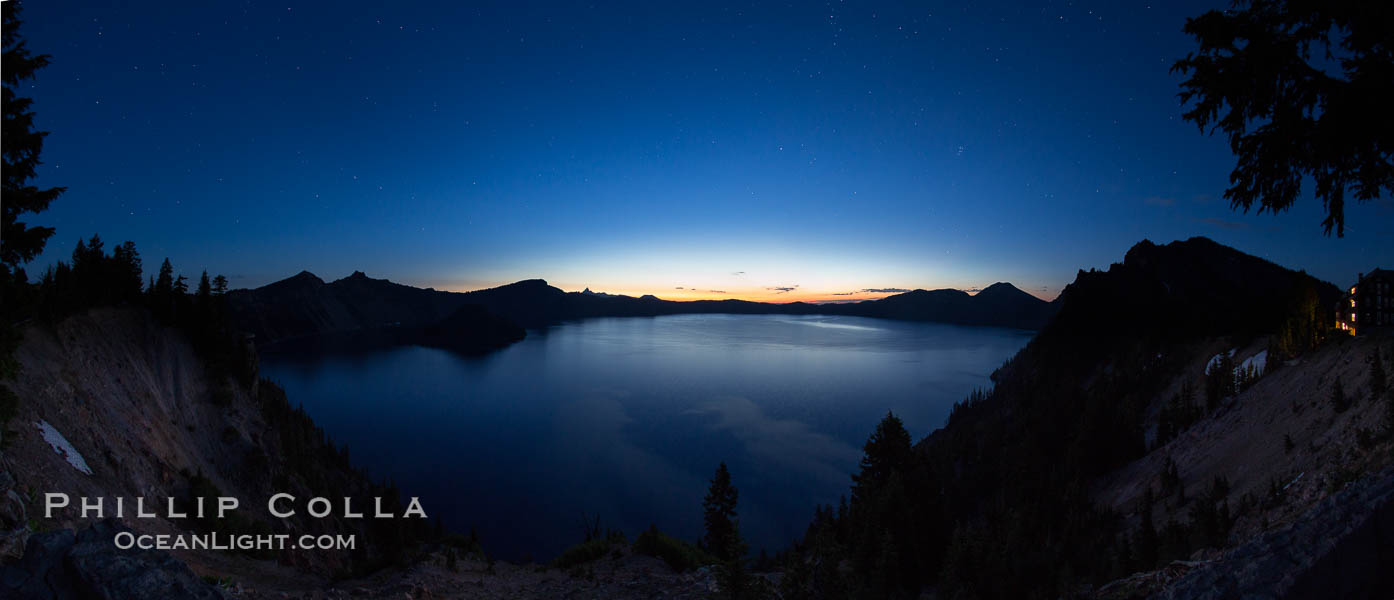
(843, 293)
(782, 289)
(738, 273)
(885, 290)
(1224, 224)
(1162, 201)
(716, 291)
(679, 288)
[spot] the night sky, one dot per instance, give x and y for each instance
(771, 151)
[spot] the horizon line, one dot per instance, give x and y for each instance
(774, 295)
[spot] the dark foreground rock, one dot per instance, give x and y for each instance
(63, 565)
(1341, 548)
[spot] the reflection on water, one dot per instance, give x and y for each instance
(832, 322)
(627, 418)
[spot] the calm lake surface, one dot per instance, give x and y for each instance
(627, 418)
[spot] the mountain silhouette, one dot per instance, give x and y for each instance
(1076, 405)
(304, 306)
(359, 310)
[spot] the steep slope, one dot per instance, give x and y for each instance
(1266, 458)
(1021, 494)
(114, 404)
(1004, 301)
(1339, 548)
(1077, 411)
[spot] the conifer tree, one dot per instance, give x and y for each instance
(1301, 90)
(20, 242)
(127, 269)
(733, 579)
(164, 282)
(719, 515)
(20, 145)
(887, 451)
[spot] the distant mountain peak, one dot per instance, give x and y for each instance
(1002, 289)
(923, 293)
(526, 284)
(302, 278)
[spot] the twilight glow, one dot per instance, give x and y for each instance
(706, 151)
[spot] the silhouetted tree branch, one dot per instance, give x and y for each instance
(1302, 90)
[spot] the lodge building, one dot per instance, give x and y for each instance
(1369, 305)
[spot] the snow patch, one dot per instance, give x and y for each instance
(1258, 362)
(1299, 478)
(62, 447)
(1215, 360)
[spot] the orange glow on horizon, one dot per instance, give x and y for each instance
(742, 288)
(766, 295)
(769, 296)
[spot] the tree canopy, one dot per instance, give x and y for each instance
(1301, 89)
(719, 517)
(887, 451)
(20, 145)
(20, 242)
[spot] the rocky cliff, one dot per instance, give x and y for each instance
(1339, 548)
(114, 404)
(1178, 404)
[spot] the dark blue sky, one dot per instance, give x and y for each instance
(644, 148)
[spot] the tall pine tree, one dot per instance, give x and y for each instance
(127, 271)
(719, 515)
(19, 241)
(20, 145)
(887, 451)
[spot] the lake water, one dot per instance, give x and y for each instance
(627, 418)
